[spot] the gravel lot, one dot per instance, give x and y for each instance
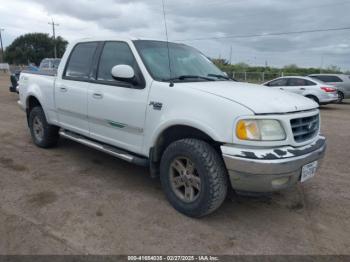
(74, 200)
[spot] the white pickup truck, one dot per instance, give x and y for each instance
(200, 131)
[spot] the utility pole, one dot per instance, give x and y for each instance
(2, 47)
(54, 37)
(231, 55)
(322, 62)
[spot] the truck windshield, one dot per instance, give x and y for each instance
(187, 64)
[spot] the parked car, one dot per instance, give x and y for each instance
(314, 89)
(14, 81)
(201, 132)
(49, 64)
(14, 78)
(340, 81)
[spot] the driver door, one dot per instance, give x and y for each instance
(297, 85)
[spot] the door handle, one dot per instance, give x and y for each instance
(63, 89)
(302, 89)
(282, 88)
(97, 95)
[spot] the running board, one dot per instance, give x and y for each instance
(116, 152)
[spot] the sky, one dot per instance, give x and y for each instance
(199, 19)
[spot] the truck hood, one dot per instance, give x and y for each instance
(257, 98)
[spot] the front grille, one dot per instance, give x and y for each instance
(305, 128)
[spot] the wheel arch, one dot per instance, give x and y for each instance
(31, 102)
(314, 97)
(176, 132)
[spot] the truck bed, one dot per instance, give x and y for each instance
(45, 73)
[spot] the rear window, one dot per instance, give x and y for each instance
(80, 61)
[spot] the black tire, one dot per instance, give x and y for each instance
(211, 170)
(314, 98)
(48, 136)
(340, 97)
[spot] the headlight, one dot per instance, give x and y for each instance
(260, 129)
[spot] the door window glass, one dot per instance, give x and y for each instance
(114, 53)
(296, 82)
(80, 61)
(279, 82)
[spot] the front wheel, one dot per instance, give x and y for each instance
(193, 177)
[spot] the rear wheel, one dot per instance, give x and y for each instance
(43, 134)
(340, 97)
(193, 177)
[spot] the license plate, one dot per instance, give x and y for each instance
(308, 171)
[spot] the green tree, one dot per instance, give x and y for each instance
(33, 47)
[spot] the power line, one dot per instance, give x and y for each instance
(267, 34)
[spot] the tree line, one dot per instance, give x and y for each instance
(33, 47)
(225, 66)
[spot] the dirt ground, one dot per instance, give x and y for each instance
(75, 200)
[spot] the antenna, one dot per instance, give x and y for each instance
(167, 43)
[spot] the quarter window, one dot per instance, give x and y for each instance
(114, 53)
(310, 83)
(80, 61)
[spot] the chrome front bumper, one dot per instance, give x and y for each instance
(268, 170)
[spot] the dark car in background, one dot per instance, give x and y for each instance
(48, 65)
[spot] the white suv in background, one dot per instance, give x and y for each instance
(309, 87)
(340, 81)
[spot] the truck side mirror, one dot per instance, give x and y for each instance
(123, 73)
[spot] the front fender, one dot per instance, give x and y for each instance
(184, 122)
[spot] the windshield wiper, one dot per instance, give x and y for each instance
(184, 77)
(219, 76)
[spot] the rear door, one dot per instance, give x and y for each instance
(297, 85)
(71, 90)
(117, 109)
